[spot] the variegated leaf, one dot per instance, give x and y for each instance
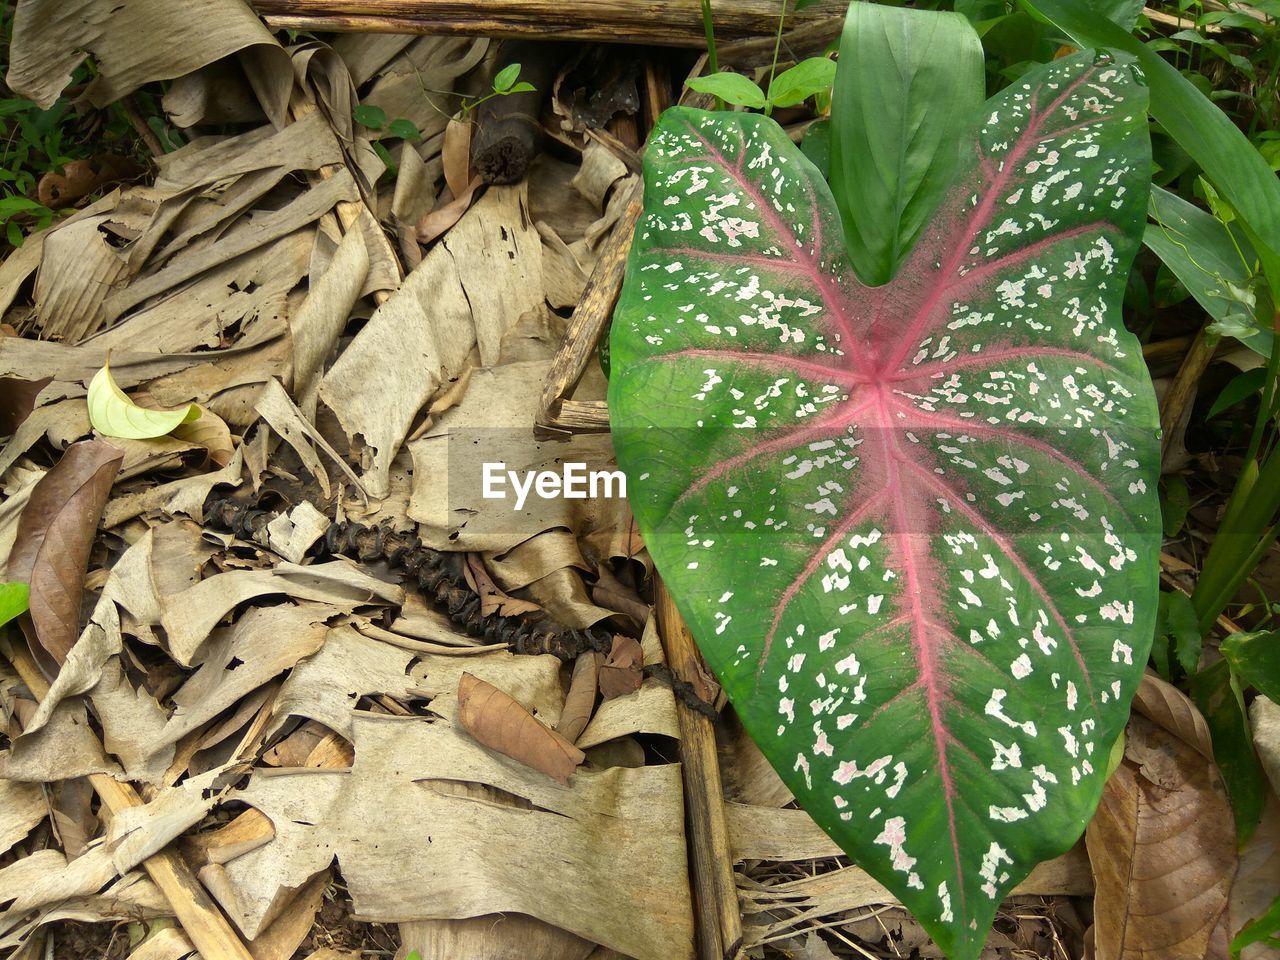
(914, 527)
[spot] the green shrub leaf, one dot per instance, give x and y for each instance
(802, 81)
(732, 88)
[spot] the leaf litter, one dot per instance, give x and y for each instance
(299, 719)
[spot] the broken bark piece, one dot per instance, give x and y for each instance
(507, 132)
(499, 722)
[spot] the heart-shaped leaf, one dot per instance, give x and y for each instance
(914, 527)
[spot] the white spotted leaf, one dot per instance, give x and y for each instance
(914, 527)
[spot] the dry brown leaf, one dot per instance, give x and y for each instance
(1162, 849)
(456, 156)
(492, 599)
(444, 216)
(502, 724)
(1167, 706)
(17, 400)
(54, 536)
(79, 178)
(580, 701)
(211, 432)
(622, 673)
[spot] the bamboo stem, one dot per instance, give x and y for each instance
(204, 924)
(715, 893)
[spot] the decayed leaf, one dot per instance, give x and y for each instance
(114, 415)
(455, 155)
(580, 701)
(210, 431)
(1163, 850)
(1166, 705)
(622, 672)
(501, 723)
(54, 536)
(492, 599)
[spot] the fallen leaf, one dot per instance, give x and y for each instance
(435, 223)
(79, 178)
(622, 673)
(17, 400)
(580, 701)
(1163, 851)
(455, 155)
(210, 431)
(502, 724)
(55, 533)
(492, 599)
(114, 415)
(1166, 705)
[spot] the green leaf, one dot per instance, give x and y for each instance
(913, 528)
(114, 415)
(909, 84)
(1177, 621)
(1218, 696)
(1260, 930)
(367, 115)
(522, 87)
(10, 206)
(1240, 388)
(13, 233)
(731, 88)
(404, 129)
(506, 77)
(1204, 131)
(806, 78)
(1175, 501)
(816, 145)
(1255, 658)
(13, 601)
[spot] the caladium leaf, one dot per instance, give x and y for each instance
(914, 527)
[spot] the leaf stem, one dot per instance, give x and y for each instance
(777, 48)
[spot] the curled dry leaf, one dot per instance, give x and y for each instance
(446, 215)
(55, 533)
(501, 723)
(492, 599)
(580, 701)
(210, 431)
(455, 155)
(623, 671)
(1163, 850)
(1166, 705)
(114, 415)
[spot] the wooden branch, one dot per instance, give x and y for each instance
(204, 924)
(1176, 406)
(715, 894)
(588, 321)
(670, 22)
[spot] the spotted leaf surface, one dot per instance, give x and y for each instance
(913, 527)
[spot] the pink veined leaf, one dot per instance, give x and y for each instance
(914, 527)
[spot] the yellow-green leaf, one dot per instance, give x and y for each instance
(114, 415)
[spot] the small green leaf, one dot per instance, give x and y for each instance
(1255, 658)
(114, 415)
(13, 601)
(14, 233)
(384, 155)
(1241, 388)
(1218, 696)
(1177, 620)
(816, 145)
(1175, 501)
(14, 205)
(506, 77)
(522, 87)
(404, 129)
(802, 81)
(367, 115)
(731, 88)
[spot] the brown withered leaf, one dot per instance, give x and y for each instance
(1162, 849)
(499, 722)
(17, 400)
(492, 599)
(580, 701)
(211, 432)
(445, 215)
(622, 673)
(455, 155)
(79, 178)
(1166, 705)
(55, 532)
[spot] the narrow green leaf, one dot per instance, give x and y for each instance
(368, 115)
(1263, 929)
(1218, 696)
(522, 87)
(1204, 131)
(1175, 501)
(1255, 658)
(13, 601)
(1177, 621)
(114, 415)
(806, 78)
(731, 88)
(909, 83)
(506, 77)
(1240, 388)
(816, 145)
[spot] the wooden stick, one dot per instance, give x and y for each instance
(715, 893)
(507, 131)
(590, 317)
(1182, 392)
(672, 22)
(204, 924)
